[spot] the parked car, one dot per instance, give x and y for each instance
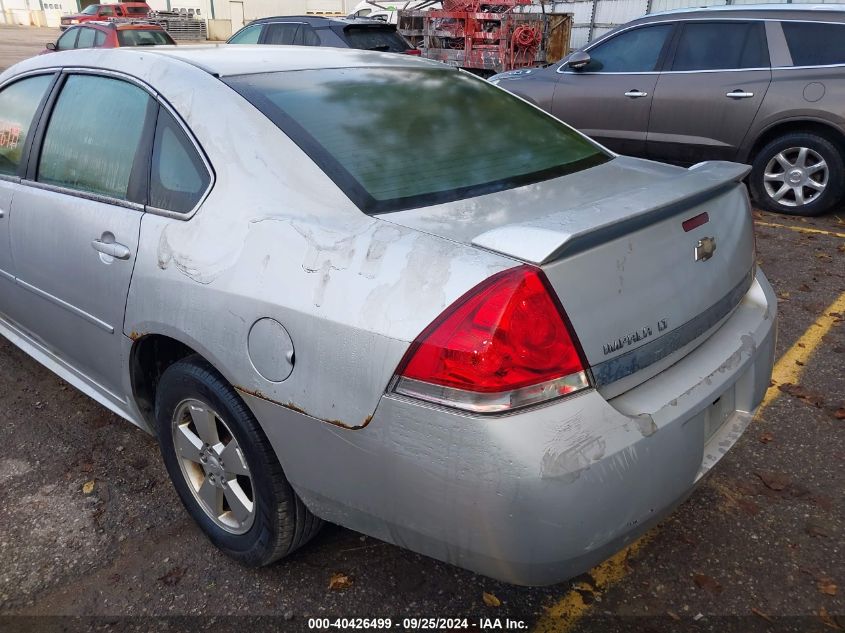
(110, 35)
(106, 12)
(373, 35)
(761, 85)
(481, 356)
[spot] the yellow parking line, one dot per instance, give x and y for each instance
(564, 615)
(799, 229)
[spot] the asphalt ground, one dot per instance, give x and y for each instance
(93, 537)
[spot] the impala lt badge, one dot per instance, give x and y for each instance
(705, 248)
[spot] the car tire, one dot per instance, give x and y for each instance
(265, 519)
(784, 167)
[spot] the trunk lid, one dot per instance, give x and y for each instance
(640, 288)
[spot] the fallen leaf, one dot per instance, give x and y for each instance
(339, 581)
(823, 256)
(828, 620)
(802, 393)
(805, 288)
(816, 529)
(766, 437)
(826, 586)
(172, 577)
(674, 616)
(490, 600)
(783, 295)
(88, 487)
(839, 414)
(759, 613)
(707, 582)
(773, 480)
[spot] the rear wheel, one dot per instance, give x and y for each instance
(799, 174)
(224, 469)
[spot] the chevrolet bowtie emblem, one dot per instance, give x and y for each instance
(704, 249)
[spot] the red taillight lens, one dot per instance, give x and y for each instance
(504, 345)
(413, 51)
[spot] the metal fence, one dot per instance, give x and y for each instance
(593, 18)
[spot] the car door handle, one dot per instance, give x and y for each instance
(636, 94)
(739, 94)
(112, 249)
(2, 214)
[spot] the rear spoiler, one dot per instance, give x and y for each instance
(546, 239)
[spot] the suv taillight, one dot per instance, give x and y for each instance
(504, 345)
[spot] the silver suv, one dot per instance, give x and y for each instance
(757, 84)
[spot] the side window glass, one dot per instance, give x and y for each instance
(86, 38)
(107, 11)
(68, 40)
(88, 152)
(813, 44)
(637, 50)
(178, 177)
(18, 103)
(721, 46)
(307, 36)
(99, 38)
(249, 35)
(281, 33)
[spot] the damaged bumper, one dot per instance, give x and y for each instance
(543, 495)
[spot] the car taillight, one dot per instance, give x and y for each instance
(413, 51)
(504, 345)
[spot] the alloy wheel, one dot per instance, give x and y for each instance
(214, 466)
(796, 176)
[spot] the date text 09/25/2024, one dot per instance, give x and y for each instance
(417, 624)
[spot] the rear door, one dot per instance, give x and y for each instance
(77, 220)
(708, 95)
(19, 105)
(610, 99)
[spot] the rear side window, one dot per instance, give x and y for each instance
(721, 46)
(136, 10)
(86, 38)
(281, 33)
(634, 51)
(96, 154)
(178, 178)
(249, 35)
(374, 39)
(812, 44)
(400, 138)
(18, 103)
(106, 11)
(143, 37)
(100, 38)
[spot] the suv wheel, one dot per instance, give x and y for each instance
(798, 174)
(224, 469)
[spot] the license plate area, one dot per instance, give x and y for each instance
(718, 413)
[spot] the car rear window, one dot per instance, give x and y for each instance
(136, 10)
(374, 38)
(400, 138)
(139, 37)
(813, 44)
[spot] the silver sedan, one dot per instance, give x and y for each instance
(373, 290)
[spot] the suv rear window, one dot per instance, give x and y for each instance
(401, 138)
(814, 44)
(137, 10)
(143, 37)
(374, 38)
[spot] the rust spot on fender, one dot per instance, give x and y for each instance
(297, 409)
(136, 335)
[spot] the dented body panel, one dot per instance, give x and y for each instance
(278, 259)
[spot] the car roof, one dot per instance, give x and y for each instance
(225, 60)
(320, 20)
(774, 9)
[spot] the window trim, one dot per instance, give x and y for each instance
(33, 148)
(19, 176)
(562, 68)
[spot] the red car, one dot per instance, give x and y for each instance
(110, 35)
(106, 12)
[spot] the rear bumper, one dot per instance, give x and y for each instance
(541, 496)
